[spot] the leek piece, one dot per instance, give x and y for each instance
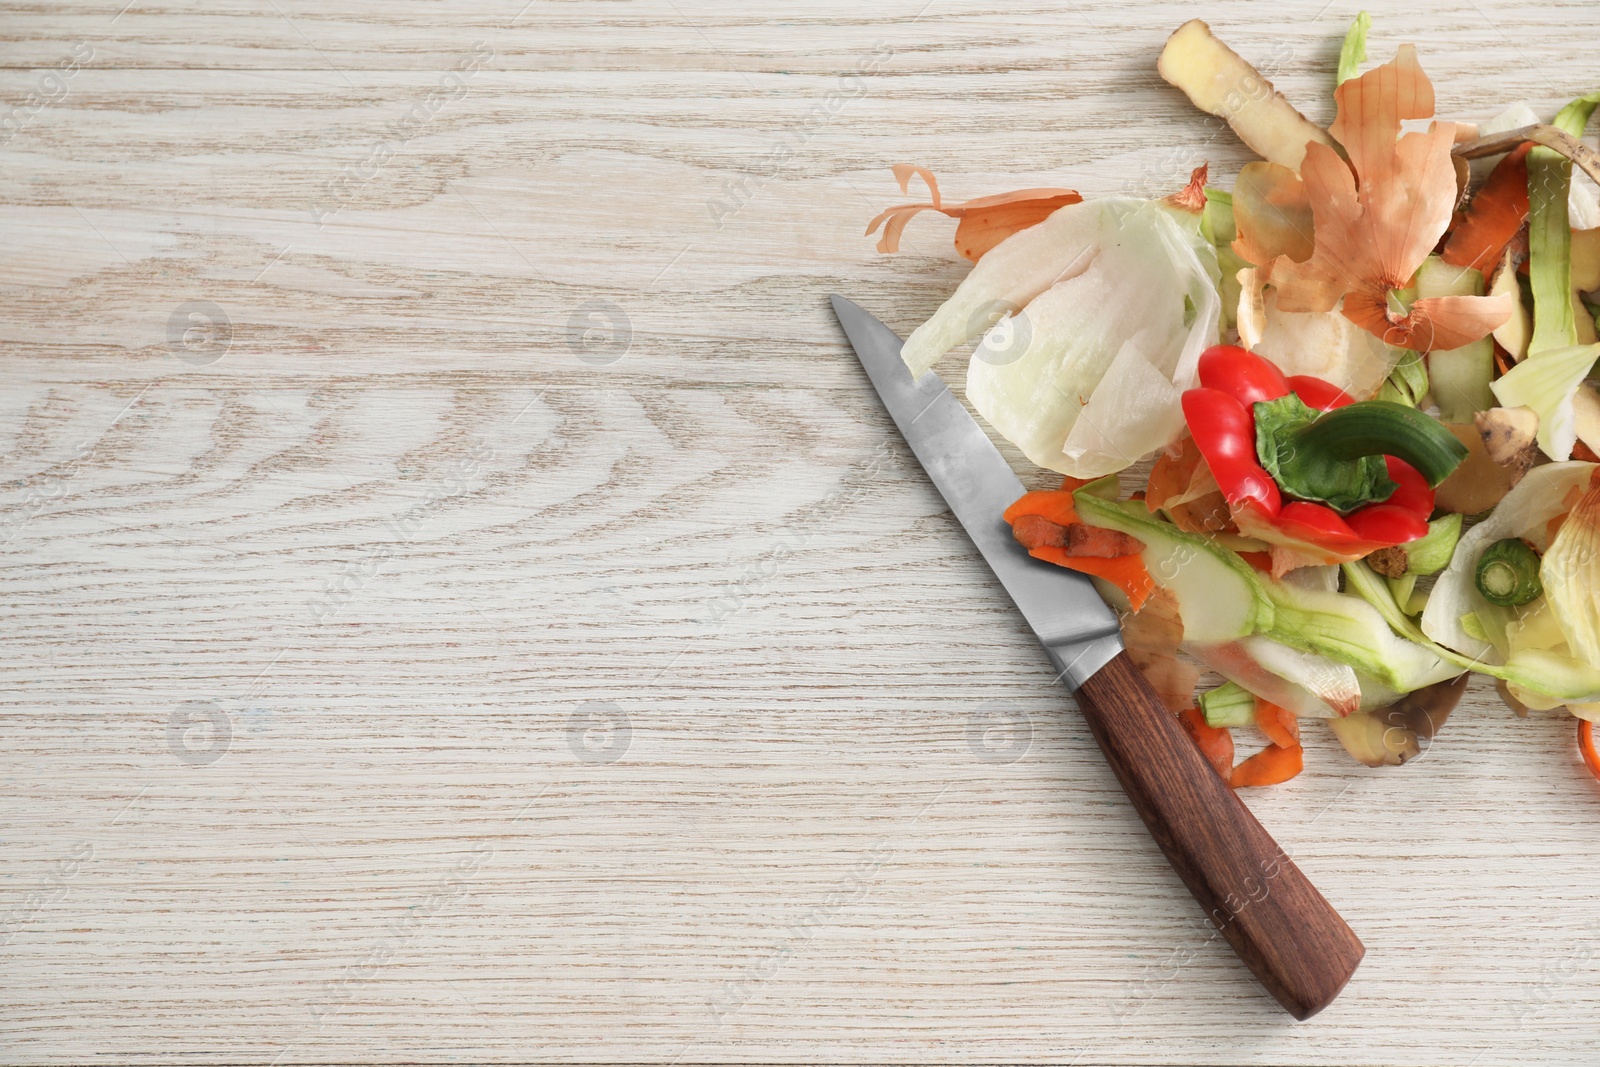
(1526, 511)
(1557, 360)
(1508, 573)
(1230, 704)
(1495, 621)
(1307, 684)
(1560, 676)
(1218, 227)
(1402, 588)
(1431, 553)
(1354, 52)
(1366, 631)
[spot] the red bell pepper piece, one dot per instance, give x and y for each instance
(1324, 396)
(1241, 374)
(1220, 414)
(1388, 523)
(1314, 522)
(1225, 430)
(1414, 494)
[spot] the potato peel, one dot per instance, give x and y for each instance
(1220, 82)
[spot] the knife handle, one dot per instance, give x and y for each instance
(1299, 948)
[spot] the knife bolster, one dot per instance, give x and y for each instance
(1077, 661)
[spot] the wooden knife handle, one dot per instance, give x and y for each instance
(1283, 929)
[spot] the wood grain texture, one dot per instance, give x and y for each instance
(511, 630)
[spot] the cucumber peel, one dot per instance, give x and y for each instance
(1354, 631)
(1374, 428)
(1558, 676)
(1459, 377)
(1315, 473)
(1550, 233)
(1197, 570)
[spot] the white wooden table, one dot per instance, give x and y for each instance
(462, 601)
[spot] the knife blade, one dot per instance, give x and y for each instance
(1290, 937)
(1079, 631)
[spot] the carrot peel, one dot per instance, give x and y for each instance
(1127, 573)
(1280, 725)
(1591, 757)
(1085, 540)
(1271, 766)
(1125, 570)
(1215, 742)
(1077, 539)
(1494, 216)
(1054, 505)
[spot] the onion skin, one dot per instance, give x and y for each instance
(1570, 573)
(1392, 736)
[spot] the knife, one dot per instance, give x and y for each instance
(1297, 946)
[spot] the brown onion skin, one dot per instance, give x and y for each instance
(1393, 735)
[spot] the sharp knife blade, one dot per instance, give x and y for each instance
(1071, 620)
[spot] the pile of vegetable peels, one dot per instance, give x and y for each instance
(1367, 380)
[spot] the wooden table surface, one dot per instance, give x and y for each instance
(462, 601)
